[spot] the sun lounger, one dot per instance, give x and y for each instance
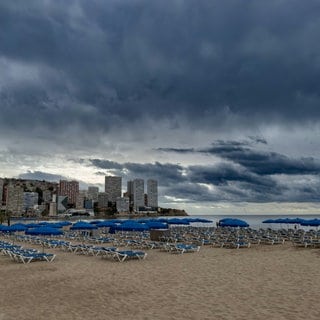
(129, 254)
(184, 248)
(26, 257)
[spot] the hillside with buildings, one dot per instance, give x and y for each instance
(34, 198)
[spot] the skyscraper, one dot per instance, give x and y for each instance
(113, 188)
(138, 194)
(69, 189)
(1, 191)
(93, 193)
(14, 199)
(152, 191)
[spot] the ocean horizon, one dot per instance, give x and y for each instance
(255, 221)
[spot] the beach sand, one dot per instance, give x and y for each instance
(262, 282)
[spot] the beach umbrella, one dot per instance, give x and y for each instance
(268, 221)
(129, 226)
(81, 225)
(18, 227)
(156, 225)
(65, 223)
(201, 220)
(5, 229)
(95, 221)
(33, 225)
(133, 226)
(230, 222)
(311, 223)
(44, 231)
(178, 221)
(105, 224)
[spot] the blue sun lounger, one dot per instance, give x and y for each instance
(123, 255)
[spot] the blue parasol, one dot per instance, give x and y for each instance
(231, 222)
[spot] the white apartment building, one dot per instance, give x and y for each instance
(138, 194)
(152, 192)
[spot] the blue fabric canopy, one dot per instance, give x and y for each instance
(44, 230)
(268, 221)
(284, 220)
(157, 225)
(5, 229)
(18, 227)
(230, 222)
(129, 225)
(33, 225)
(81, 225)
(311, 223)
(105, 224)
(178, 221)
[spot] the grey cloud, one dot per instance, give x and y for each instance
(39, 175)
(265, 163)
(254, 160)
(166, 173)
(177, 150)
(87, 76)
(220, 182)
(128, 60)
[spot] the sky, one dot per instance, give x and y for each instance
(217, 100)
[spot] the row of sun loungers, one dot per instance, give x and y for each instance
(24, 255)
(108, 252)
(180, 240)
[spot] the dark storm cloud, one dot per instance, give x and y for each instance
(99, 65)
(254, 160)
(166, 173)
(177, 150)
(223, 181)
(264, 163)
(106, 164)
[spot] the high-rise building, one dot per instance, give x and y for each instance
(123, 204)
(152, 192)
(138, 194)
(113, 188)
(93, 193)
(80, 199)
(14, 199)
(1, 191)
(102, 200)
(69, 189)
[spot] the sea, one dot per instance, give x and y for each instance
(256, 221)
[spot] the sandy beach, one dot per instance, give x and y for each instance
(262, 282)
